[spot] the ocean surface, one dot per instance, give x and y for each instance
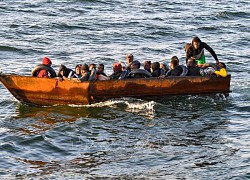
(184, 137)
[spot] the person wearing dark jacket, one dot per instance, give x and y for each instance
(85, 73)
(100, 70)
(193, 69)
(117, 71)
(196, 52)
(156, 71)
(175, 69)
(76, 73)
(64, 72)
(147, 65)
(100, 75)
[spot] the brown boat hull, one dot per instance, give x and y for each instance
(44, 91)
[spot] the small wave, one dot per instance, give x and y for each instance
(9, 48)
(229, 14)
(211, 28)
(130, 102)
(108, 103)
(140, 105)
(67, 26)
(3, 130)
(145, 108)
(161, 33)
(5, 103)
(142, 108)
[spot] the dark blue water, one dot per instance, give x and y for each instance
(184, 137)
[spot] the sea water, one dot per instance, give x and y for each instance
(184, 137)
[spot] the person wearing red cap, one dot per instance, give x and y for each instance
(45, 72)
(46, 61)
(117, 70)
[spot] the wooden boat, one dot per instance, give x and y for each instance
(51, 91)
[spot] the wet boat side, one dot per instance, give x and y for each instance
(45, 91)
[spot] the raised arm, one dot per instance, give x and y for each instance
(207, 47)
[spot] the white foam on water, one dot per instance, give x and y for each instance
(140, 105)
(108, 103)
(145, 108)
(221, 96)
(101, 104)
(3, 130)
(142, 108)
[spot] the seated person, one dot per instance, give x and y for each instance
(136, 72)
(156, 71)
(44, 70)
(93, 72)
(77, 73)
(91, 66)
(129, 60)
(100, 75)
(147, 65)
(193, 69)
(117, 71)
(175, 69)
(64, 72)
(100, 69)
(164, 66)
(215, 69)
(85, 73)
(175, 58)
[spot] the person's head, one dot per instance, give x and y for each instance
(92, 66)
(134, 66)
(137, 63)
(147, 65)
(62, 70)
(84, 68)
(117, 67)
(154, 66)
(46, 61)
(191, 63)
(196, 42)
(175, 58)
(129, 58)
(100, 68)
(222, 65)
(78, 69)
(163, 66)
(173, 63)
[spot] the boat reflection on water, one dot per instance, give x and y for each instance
(94, 138)
(126, 109)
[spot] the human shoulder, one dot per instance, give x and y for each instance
(204, 45)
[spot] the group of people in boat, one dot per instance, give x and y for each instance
(195, 66)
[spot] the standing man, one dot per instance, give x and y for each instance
(196, 52)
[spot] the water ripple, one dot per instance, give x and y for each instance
(182, 137)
